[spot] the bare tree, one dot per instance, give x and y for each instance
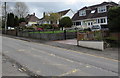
(8, 8)
(21, 9)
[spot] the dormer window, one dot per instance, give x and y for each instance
(93, 11)
(82, 13)
(102, 9)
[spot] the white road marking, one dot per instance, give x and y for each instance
(69, 72)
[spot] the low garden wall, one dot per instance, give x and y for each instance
(99, 45)
(12, 32)
(91, 40)
(48, 36)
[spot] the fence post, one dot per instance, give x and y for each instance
(77, 39)
(102, 33)
(65, 34)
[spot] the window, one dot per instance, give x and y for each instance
(88, 23)
(98, 20)
(78, 23)
(102, 9)
(101, 20)
(104, 20)
(82, 13)
(93, 11)
(73, 23)
(91, 23)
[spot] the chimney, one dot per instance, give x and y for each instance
(43, 14)
(34, 14)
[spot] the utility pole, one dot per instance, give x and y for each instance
(5, 19)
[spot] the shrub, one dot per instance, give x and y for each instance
(22, 20)
(113, 19)
(46, 26)
(65, 22)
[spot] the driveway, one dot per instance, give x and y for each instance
(68, 41)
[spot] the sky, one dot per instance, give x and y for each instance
(40, 6)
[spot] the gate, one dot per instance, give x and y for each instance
(70, 34)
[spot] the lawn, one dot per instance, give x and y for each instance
(60, 31)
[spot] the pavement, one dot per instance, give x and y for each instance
(46, 60)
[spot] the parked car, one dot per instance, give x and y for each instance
(99, 27)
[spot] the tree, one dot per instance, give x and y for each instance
(65, 22)
(16, 21)
(2, 9)
(21, 9)
(21, 20)
(114, 19)
(11, 20)
(8, 19)
(52, 17)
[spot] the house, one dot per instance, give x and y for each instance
(65, 13)
(31, 19)
(96, 14)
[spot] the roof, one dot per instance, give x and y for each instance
(90, 15)
(31, 18)
(60, 12)
(64, 12)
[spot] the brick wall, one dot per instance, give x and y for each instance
(12, 32)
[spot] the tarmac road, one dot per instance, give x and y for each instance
(47, 60)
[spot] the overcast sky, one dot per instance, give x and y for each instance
(40, 6)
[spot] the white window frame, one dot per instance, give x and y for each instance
(82, 13)
(80, 23)
(104, 20)
(90, 23)
(102, 9)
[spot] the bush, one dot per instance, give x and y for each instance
(39, 26)
(29, 28)
(65, 22)
(113, 19)
(46, 26)
(22, 20)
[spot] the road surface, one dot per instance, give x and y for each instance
(47, 60)
(11, 69)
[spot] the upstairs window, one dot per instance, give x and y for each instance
(102, 9)
(82, 13)
(93, 11)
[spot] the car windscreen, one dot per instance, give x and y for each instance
(95, 27)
